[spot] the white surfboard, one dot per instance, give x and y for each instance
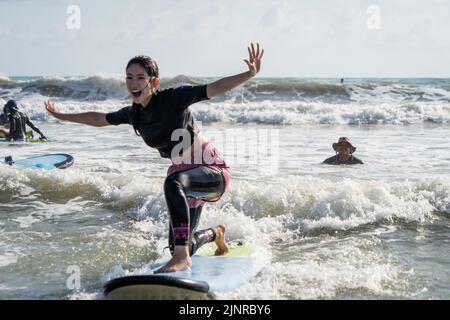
(208, 276)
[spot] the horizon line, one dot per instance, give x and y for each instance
(257, 77)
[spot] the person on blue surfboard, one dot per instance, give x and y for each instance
(17, 123)
(344, 153)
(198, 173)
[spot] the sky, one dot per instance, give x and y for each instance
(208, 38)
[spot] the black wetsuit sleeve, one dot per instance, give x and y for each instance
(182, 97)
(122, 116)
(357, 161)
(331, 160)
(32, 126)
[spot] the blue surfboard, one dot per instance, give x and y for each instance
(210, 275)
(44, 162)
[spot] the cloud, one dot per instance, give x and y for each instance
(199, 37)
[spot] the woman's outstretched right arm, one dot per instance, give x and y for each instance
(96, 119)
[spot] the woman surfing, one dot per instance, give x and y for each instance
(198, 173)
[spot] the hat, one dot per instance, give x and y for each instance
(346, 140)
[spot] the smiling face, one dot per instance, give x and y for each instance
(344, 148)
(140, 86)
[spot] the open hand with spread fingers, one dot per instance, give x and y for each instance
(254, 60)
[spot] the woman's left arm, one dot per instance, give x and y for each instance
(226, 84)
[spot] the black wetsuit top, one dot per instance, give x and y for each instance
(166, 112)
(17, 126)
(350, 160)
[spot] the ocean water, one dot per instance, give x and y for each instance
(375, 231)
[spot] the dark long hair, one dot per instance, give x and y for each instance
(147, 63)
(152, 70)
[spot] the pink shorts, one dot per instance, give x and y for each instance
(210, 157)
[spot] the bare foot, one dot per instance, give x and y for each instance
(222, 248)
(179, 261)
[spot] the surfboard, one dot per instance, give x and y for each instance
(210, 275)
(44, 162)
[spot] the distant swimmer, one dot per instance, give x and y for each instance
(344, 153)
(17, 123)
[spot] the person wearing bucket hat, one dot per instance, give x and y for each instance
(344, 153)
(17, 123)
